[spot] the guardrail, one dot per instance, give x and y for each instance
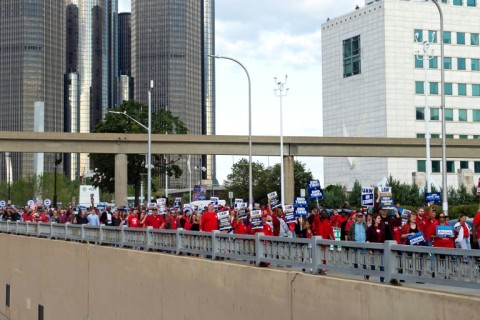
(454, 267)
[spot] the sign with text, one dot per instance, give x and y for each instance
(445, 232)
(273, 200)
(434, 197)
(386, 198)
(300, 207)
(256, 219)
(367, 197)
(224, 220)
(241, 210)
(289, 213)
(314, 190)
(416, 240)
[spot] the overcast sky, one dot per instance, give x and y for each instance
(271, 38)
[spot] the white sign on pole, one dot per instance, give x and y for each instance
(30, 202)
(47, 202)
(2, 203)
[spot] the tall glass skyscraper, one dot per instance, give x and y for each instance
(32, 60)
(124, 80)
(91, 69)
(170, 39)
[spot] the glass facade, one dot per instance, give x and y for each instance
(32, 60)
(462, 115)
(461, 64)
(168, 47)
(447, 63)
(351, 57)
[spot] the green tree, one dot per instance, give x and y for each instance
(334, 196)
(238, 180)
(354, 197)
(163, 121)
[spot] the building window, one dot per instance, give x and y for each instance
(450, 166)
(462, 89)
(475, 64)
(474, 39)
(476, 90)
(476, 115)
(421, 135)
(351, 57)
(432, 36)
(461, 65)
(472, 3)
(420, 114)
(447, 37)
(449, 114)
(435, 136)
(447, 63)
(433, 63)
(418, 35)
(448, 88)
(463, 164)
(436, 166)
(460, 37)
(433, 87)
(477, 166)
(449, 136)
(476, 136)
(421, 167)
(463, 136)
(419, 62)
(462, 115)
(434, 114)
(419, 87)
(457, 2)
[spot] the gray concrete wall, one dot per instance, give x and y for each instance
(78, 281)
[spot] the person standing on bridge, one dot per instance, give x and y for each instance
(93, 218)
(209, 220)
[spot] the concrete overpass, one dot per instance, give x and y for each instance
(122, 144)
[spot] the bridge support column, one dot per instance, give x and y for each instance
(288, 164)
(121, 177)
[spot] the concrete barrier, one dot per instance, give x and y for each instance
(79, 281)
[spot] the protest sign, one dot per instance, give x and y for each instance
(445, 232)
(386, 199)
(273, 200)
(224, 220)
(367, 197)
(289, 213)
(416, 239)
(314, 190)
(256, 219)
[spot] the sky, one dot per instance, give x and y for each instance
(271, 38)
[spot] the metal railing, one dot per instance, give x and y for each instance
(454, 267)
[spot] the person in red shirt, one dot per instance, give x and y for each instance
(337, 219)
(209, 220)
(421, 220)
(185, 219)
(430, 226)
(240, 227)
(154, 220)
(442, 242)
(349, 224)
(133, 220)
(28, 216)
(476, 228)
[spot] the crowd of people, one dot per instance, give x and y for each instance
(420, 227)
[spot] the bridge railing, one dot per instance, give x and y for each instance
(454, 267)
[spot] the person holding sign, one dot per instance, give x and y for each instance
(462, 232)
(411, 234)
(443, 239)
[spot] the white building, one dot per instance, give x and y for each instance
(373, 85)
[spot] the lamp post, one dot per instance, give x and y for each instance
(250, 179)
(444, 137)
(8, 164)
(149, 130)
(425, 58)
(57, 162)
(280, 93)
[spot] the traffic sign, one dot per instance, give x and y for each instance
(47, 202)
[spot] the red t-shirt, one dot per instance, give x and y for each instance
(240, 228)
(154, 221)
(209, 222)
(476, 222)
(133, 221)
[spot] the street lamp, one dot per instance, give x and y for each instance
(250, 179)
(280, 93)
(8, 164)
(149, 130)
(57, 162)
(444, 137)
(427, 56)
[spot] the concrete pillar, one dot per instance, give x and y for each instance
(288, 164)
(121, 177)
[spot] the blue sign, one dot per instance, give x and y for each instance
(416, 240)
(435, 197)
(300, 207)
(289, 213)
(314, 190)
(256, 219)
(445, 232)
(367, 197)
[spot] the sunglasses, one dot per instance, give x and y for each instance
(441, 217)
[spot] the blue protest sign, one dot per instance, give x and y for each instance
(256, 219)
(367, 197)
(416, 239)
(289, 213)
(435, 197)
(273, 200)
(445, 232)
(224, 220)
(314, 189)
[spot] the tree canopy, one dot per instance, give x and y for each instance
(163, 121)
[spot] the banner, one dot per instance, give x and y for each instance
(300, 207)
(161, 202)
(416, 239)
(256, 219)
(199, 192)
(289, 213)
(224, 220)
(367, 197)
(273, 200)
(386, 199)
(177, 203)
(314, 190)
(445, 232)
(241, 210)
(436, 197)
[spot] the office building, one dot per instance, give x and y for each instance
(373, 85)
(32, 62)
(125, 80)
(170, 40)
(90, 70)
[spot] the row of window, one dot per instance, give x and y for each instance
(351, 56)
(460, 37)
(436, 166)
(449, 136)
(468, 3)
(462, 114)
(447, 63)
(461, 88)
